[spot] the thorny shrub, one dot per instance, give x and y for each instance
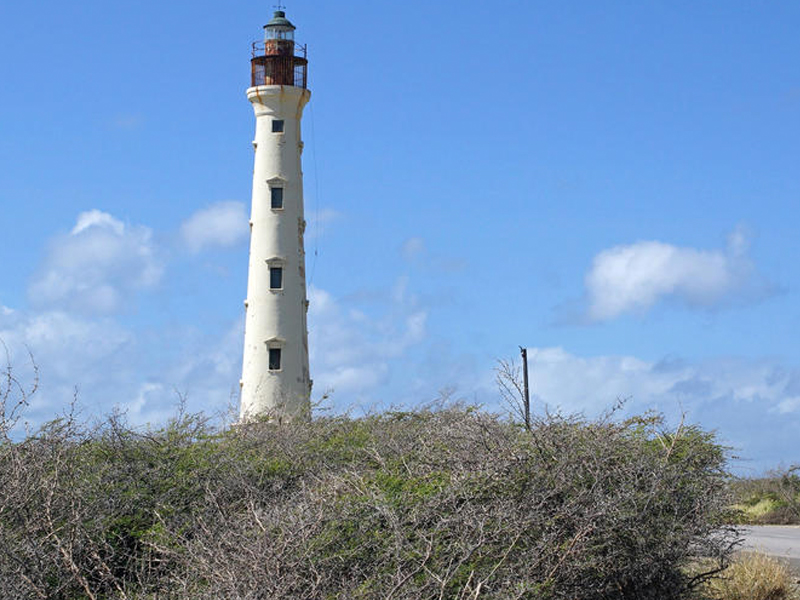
(437, 503)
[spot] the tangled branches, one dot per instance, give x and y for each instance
(446, 503)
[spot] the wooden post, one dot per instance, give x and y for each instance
(524, 352)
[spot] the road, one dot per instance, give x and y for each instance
(775, 540)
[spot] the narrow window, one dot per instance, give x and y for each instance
(277, 197)
(277, 126)
(274, 359)
(276, 278)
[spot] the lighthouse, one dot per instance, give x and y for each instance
(275, 380)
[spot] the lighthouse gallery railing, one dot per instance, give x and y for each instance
(278, 62)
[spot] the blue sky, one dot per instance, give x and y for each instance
(613, 185)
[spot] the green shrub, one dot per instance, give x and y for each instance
(452, 503)
(773, 499)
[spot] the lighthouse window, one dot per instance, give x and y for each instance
(274, 359)
(277, 126)
(276, 278)
(277, 197)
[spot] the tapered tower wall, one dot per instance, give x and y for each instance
(276, 315)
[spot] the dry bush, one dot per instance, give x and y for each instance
(445, 503)
(456, 504)
(773, 499)
(753, 576)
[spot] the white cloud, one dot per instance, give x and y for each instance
(373, 348)
(379, 358)
(354, 353)
(358, 344)
(151, 405)
(568, 382)
(350, 378)
(634, 278)
(97, 267)
(69, 351)
(753, 403)
(223, 224)
(59, 335)
(86, 276)
(575, 383)
(790, 405)
(141, 372)
(97, 218)
(209, 366)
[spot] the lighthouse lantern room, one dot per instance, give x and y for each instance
(278, 60)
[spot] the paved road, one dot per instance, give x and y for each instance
(776, 540)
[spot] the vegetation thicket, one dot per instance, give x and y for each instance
(772, 499)
(447, 502)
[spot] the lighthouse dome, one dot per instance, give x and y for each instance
(279, 21)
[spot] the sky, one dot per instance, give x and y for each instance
(612, 185)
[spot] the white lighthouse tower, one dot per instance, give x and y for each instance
(275, 378)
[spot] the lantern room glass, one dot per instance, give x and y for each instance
(279, 32)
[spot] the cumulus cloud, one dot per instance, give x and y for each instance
(70, 352)
(376, 348)
(385, 356)
(142, 372)
(575, 383)
(634, 278)
(97, 218)
(358, 343)
(790, 405)
(97, 267)
(58, 335)
(150, 406)
(352, 352)
(223, 224)
(741, 398)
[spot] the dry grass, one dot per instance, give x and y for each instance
(754, 576)
(753, 512)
